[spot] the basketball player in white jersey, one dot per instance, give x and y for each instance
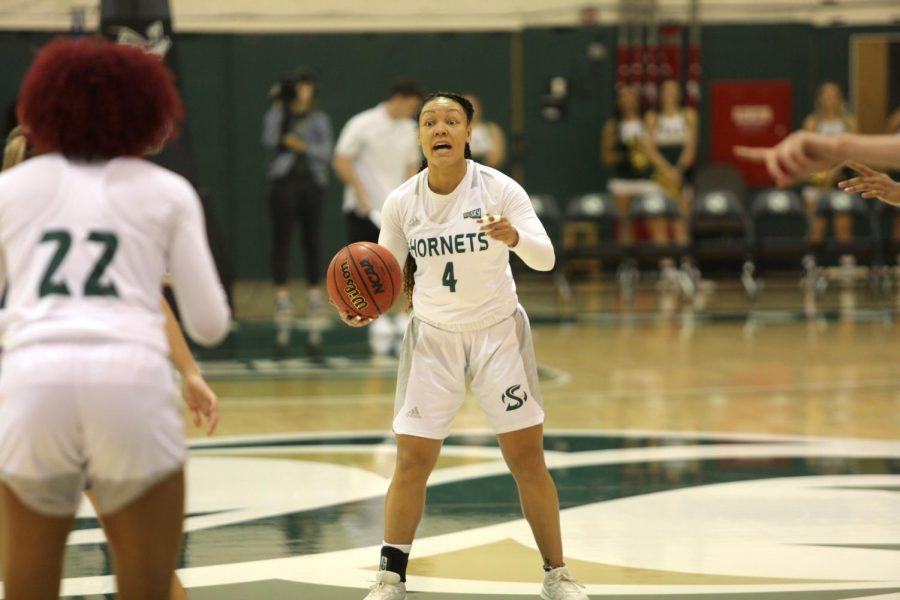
(87, 231)
(199, 397)
(459, 221)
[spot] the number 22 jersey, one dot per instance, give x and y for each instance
(463, 280)
(85, 247)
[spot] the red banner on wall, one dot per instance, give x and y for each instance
(749, 113)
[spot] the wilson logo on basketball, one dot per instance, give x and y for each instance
(372, 275)
(511, 400)
(350, 288)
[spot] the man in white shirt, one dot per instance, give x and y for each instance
(375, 153)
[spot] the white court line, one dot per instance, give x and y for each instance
(593, 432)
(829, 387)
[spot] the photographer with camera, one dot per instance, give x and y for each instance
(300, 140)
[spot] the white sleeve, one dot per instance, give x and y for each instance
(534, 247)
(391, 235)
(351, 140)
(201, 299)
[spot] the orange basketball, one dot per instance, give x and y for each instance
(364, 279)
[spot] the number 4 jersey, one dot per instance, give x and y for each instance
(85, 246)
(463, 280)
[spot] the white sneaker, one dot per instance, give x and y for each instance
(284, 322)
(560, 585)
(387, 587)
(313, 303)
(381, 336)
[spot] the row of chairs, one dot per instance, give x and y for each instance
(726, 237)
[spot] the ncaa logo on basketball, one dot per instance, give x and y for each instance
(350, 288)
(511, 400)
(372, 275)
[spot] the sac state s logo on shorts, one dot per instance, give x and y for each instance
(511, 399)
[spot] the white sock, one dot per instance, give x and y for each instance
(551, 569)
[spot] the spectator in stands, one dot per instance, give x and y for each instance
(488, 143)
(299, 138)
(623, 147)
(830, 118)
(672, 140)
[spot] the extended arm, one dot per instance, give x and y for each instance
(201, 400)
(196, 284)
(521, 229)
(802, 153)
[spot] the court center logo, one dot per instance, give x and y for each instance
(304, 516)
(511, 399)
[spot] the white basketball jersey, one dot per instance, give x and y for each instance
(85, 248)
(463, 279)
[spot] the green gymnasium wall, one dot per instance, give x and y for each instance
(224, 79)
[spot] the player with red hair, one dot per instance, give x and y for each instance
(88, 230)
(81, 98)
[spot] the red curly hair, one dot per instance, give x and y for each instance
(93, 99)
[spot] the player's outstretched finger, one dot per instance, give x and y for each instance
(212, 419)
(792, 163)
(861, 168)
(848, 184)
(757, 155)
(772, 165)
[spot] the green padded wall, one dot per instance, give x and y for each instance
(225, 78)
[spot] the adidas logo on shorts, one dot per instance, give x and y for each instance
(413, 413)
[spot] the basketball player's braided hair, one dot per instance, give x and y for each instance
(409, 272)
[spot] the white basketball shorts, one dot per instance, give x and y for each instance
(435, 364)
(73, 416)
